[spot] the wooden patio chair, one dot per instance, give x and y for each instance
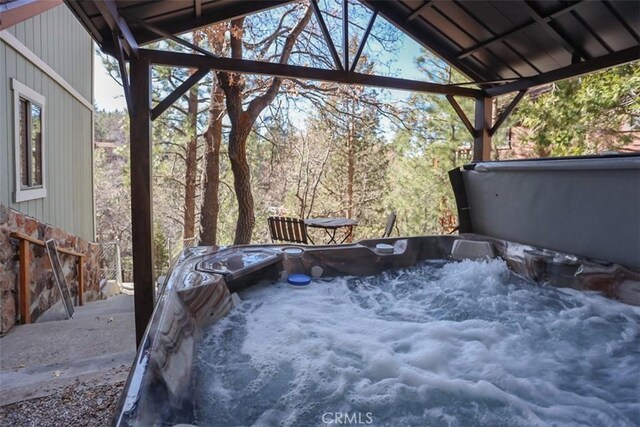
(391, 221)
(287, 229)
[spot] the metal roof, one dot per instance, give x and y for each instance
(505, 45)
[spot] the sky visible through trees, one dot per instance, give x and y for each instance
(310, 149)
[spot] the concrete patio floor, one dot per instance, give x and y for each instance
(97, 346)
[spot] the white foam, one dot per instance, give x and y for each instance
(457, 344)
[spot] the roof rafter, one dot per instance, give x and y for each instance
(197, 7)
(399, 20)
(500, 37)
(170, 36)
(109, 11)
(363, 42)
(554, 32)
(419, 10)
(621, 20)
(490, 31)
(326, 35)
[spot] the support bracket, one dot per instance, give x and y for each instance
(505, 114)
(462, 115)
(162, 106)
(124, 75)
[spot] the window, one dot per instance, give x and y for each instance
(29, 143)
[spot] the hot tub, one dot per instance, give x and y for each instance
(197, 307)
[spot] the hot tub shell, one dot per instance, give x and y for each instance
(160, 384)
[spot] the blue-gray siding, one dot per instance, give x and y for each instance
(59, 39)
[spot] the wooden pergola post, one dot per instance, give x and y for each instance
(141, 195)
(482, 129)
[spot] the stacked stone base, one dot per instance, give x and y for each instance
(43, 290)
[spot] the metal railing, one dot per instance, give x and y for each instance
(110, 262)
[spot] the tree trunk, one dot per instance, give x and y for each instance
(191, 162)
(211, 180)
(350, 163)
(242, 121)
(242, 181)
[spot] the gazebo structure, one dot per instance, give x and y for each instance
(501, 46)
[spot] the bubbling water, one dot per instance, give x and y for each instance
(455, 344)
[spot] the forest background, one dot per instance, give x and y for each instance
(237, 149)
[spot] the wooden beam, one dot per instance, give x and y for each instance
(178, 92)
(124, 75)
(245, 66)
(419, 10)
(363, 42)
(345, 34)
(141, 194)
(461, 114)
(197, 7)
(25, 282)
(173, 37)
(80, 280)
(109, 11)
(482, 138)
(573, 70)
(326, 35)
(505, 114)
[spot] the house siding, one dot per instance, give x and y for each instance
(60, 41)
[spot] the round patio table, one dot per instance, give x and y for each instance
(331, 226)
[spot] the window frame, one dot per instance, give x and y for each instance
(23, 194)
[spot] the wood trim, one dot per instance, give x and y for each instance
(21, 10)
(20, 194)
(23, 50)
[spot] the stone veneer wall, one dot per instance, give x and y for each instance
(44, 292)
